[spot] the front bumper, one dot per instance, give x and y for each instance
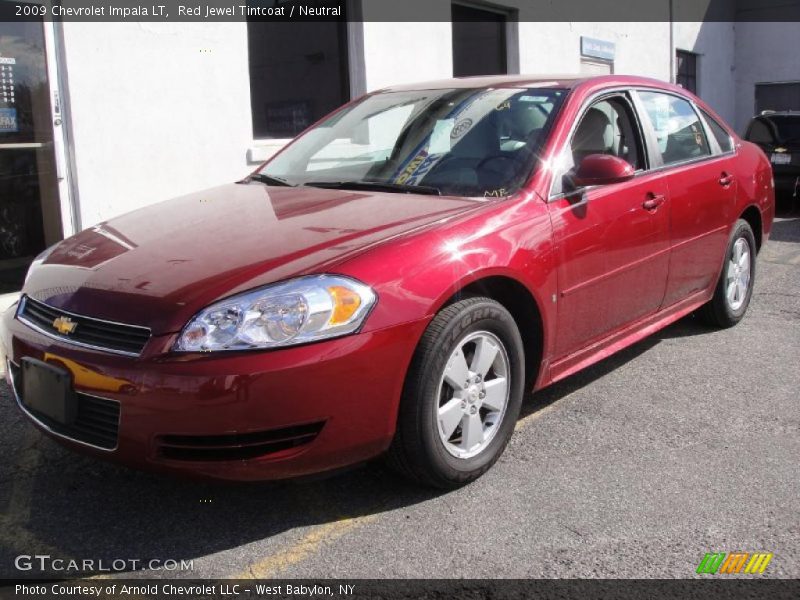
(237, 416)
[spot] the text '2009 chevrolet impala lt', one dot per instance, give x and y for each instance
(393, 281)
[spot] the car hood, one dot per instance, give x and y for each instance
(159, 265)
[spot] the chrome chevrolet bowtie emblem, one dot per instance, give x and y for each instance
(64, 325)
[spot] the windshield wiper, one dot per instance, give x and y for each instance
(268, 180)
(378, 186)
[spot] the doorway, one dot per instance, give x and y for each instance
(778, 96)
(30, 214)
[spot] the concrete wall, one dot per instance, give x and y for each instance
(764, 53)
(396, 53)
(641, 48)
(158, 110)
(715, 44)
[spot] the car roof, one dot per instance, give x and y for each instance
(568, 81)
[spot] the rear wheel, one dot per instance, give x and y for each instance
(735, 286)
(462, 395)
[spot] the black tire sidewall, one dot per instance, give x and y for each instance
(741, 230)
(485, 315)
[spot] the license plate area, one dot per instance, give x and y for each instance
(47, 391)
(779, 158)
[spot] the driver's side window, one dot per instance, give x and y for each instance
(606, 127)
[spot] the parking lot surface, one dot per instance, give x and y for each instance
(683, 444)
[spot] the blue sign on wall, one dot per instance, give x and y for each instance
(8, 120)
(597, 48)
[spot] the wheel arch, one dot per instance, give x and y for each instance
(517, 298)
(752, 215)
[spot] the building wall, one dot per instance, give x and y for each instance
(715, 44)
(396, 53)
(641, 48)
(764, 53)
(158, 110)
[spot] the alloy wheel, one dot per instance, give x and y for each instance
(737, 278)
(473, 394)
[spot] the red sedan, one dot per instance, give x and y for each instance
(393, 281)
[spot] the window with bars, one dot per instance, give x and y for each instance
(686, 75)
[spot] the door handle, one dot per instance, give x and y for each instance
(725, 179)
(653, 201)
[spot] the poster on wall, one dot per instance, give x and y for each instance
(8, 120)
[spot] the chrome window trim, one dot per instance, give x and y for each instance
(19, 317)
(49, 429)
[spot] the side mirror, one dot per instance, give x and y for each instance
(602, 169)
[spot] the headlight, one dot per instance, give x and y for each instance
(301, 310)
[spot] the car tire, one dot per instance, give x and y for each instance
(732, 294)
(433, 404)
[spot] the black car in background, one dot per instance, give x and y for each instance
(778, 134)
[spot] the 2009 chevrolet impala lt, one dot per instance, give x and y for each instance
(393, 281)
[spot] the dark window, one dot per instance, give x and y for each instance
(723, 137)
(777, 96)
(775, 129)
(298, 74)
(687, 70)
(677, 127)
(761, 132)
(479, 41)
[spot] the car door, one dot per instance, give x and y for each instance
(702, 190)
(612, 241)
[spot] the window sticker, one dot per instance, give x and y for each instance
(8, 120)
(440, 138)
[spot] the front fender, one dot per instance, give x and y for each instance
(415, 276)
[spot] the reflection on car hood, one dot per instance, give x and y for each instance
(159, 265)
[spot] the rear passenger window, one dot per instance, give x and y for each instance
(678, 129)
(718, 131)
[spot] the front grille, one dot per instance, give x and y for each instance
(96, 421)
(89, 332)
(239, 446)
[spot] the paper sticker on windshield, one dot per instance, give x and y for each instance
(440, 137)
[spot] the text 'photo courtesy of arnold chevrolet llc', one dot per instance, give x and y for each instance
(289, 289)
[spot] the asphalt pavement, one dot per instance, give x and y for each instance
(683, 444)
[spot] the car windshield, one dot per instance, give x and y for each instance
(462, 142)
(775, 129)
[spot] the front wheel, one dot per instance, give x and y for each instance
(735, 286)
(462, 395)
